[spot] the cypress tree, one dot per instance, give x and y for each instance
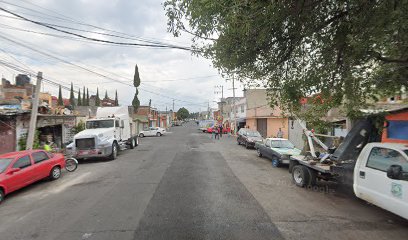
(97, 99)
(116, 98)
(79, 98)
(60, 101)
(71, 96)
(84, 97)
(106, 94)
(87, 97)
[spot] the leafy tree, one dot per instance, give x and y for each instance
(22, 141)
(346, 52)
(87, 97)
(116, 98)
(136, 78)
(97, 99)
(71, 96)
(79, 127)
(182, 113)
(79, 98)
(84, 98)
(60, 101)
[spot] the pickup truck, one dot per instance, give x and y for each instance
(278, 150)
(379, 175)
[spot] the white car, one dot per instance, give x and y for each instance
(152, 131)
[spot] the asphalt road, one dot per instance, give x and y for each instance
(187, 186)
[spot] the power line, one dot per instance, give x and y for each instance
(94, 39)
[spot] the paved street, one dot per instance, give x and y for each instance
(186, 185)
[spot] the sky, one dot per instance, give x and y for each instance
(166, 74)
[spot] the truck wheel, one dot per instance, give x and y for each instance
(300, 175)
(114, 153)
(1, 195)
(258, 151)
(132, 143)
(312, 177)
(141, 135)
(275, 162)
(291, 165)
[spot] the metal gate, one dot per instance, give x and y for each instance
(262, 126)
(7, 136)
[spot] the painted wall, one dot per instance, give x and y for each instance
(397, 126)
(273, 125)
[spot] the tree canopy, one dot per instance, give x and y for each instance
(182, 113)
(347, 52)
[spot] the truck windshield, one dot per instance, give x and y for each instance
(4, 162)
(99, 124)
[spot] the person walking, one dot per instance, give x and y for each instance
(280, 133)
(213, 132)
(217, 134)
(220, 129)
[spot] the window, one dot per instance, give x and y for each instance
(99, 124)
(4, 163)
(22, 162)
(117, 123)
(382, 158)
(39, 157)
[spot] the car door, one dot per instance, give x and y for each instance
(266, 148)
(375, 187)
(21, 178)
(42, 165)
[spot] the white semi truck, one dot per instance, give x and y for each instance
(106, 134)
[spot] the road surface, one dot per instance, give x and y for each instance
(186, 185)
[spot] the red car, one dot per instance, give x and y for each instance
(19, 169)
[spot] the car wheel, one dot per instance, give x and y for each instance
(258, 151)
(275, 162)
(246, 145)
(114, 153)
(137, 141)
(55, 173)
(238, 142)
(132, 143)
(300, 175)
(158, 134)
(141, 135)
(1, 195)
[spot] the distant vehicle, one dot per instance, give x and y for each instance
(152, 131)
(278, 150)
(204, 125)
(105, 135)
(248, 137)
(20, 169)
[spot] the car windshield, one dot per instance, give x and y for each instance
(282, 144)
(253, 134)
(99, 124)
(4, 162)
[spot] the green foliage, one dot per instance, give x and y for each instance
(116, 98)
(79, 127)
(60, 101)
(84, 97)
(22, 141)
(71, 96)
(79, 98)
(136, 102)
(182, 113)
(348, 52)
(87, 97)
(97, 99)
(136, 78)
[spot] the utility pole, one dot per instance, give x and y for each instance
(34, 111)
(233, 100)
(148, 115)
(172, 113)
(222, 97)
(208, 115)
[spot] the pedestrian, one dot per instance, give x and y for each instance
(217, 135)
(280, 133)
(220, 130)
(213, 132)
(47, 146)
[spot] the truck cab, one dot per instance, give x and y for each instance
(381, 176)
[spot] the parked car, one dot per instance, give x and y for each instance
(152, 131)
(248, 137)
(20, 169)
(278, 150)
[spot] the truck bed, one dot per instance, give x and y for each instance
(320, 167)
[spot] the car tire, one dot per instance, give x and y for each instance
(55, 173)
(300, 175)
(137, 141)
(114, 153)
(246, 145)
(158, 134)
(238, 142)
(2, 195)
(258, 151)
(275, 162)
(132, 143)
(141, 135)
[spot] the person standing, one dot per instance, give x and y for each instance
(220, 129)
(217, 135)
(280, 133)
(213, 132)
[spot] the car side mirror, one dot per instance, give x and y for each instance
(394, 172)
(13, 170)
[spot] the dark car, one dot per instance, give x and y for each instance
(248, 137)
(278, 150)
